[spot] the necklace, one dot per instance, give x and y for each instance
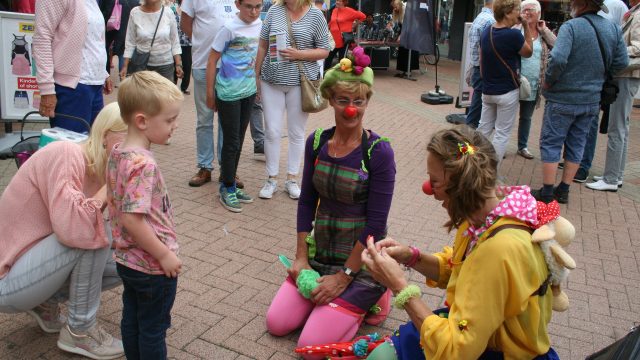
(334, 145)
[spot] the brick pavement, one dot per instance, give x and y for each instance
(231, 272)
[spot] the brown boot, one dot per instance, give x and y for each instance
(203, 176)
(239, 183)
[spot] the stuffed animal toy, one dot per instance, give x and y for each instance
(553, 235)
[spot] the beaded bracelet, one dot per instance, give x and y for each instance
(415, 256)
(405, 295)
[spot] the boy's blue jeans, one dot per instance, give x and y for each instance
(146, 313)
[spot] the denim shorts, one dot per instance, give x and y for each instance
(568, 125)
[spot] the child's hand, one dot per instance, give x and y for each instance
(170, 264)
(211, 102)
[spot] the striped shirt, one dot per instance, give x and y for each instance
(310, 32)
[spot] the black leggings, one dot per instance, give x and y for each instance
(186, 68)
(234, 118)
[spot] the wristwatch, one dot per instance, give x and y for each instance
(349, 272)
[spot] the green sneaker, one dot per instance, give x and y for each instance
(229, 200)
(243, 197)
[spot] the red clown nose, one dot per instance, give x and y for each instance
(350, 111)
(426, 187)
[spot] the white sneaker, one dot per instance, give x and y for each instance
(270, 186)
(292, 188)
(598, 178)
(48, 317)
(96, 343)
(602, 186)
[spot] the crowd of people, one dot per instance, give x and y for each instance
(560, 68)
(251, 70)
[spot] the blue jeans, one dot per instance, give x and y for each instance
(146, 313)
(204, 125)
(256, 125)
(524, 125)
(85, 102)
(566, 124)
(475, 110)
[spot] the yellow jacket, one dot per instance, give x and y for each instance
(490, 298)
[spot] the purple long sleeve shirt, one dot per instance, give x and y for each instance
(382, 173)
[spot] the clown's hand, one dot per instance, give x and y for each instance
(400, 253)
(383, 267)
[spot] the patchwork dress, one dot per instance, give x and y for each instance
(352, 204)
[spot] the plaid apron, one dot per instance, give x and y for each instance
(336, 234)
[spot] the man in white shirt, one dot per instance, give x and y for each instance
(201, 20)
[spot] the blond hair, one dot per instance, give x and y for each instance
(351, 87)
(472, 177)
(94, 150)
(397, 15)
(146, 92)
(503, 7)
(299, 3)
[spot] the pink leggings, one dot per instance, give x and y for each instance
(322, 323)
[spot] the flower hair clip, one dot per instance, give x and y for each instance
(466, 149)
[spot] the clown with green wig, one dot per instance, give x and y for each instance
(347, 186)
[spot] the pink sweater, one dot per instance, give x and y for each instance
(44, 197)
(61, 28)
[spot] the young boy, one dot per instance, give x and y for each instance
(236, 46)
(141, 215)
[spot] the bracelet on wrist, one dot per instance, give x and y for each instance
(179, 65)
(415, 256)
(403, 297)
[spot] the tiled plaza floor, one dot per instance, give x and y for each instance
(231, 270)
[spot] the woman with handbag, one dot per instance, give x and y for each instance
(152, 41)
(341, 27)
(347, 187)
(533, 69)
(70, 53)
(501, 49)
(294, 36)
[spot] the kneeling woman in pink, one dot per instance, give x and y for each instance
(347, 186)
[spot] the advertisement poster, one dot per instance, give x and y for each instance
(465, 91)
(18, 88)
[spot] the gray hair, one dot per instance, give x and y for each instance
(487, 2)
(535, 4)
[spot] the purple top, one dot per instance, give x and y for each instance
(382, 173)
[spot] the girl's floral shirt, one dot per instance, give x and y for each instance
(135, 185)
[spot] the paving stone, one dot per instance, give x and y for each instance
(204, 350)
(255, 351)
